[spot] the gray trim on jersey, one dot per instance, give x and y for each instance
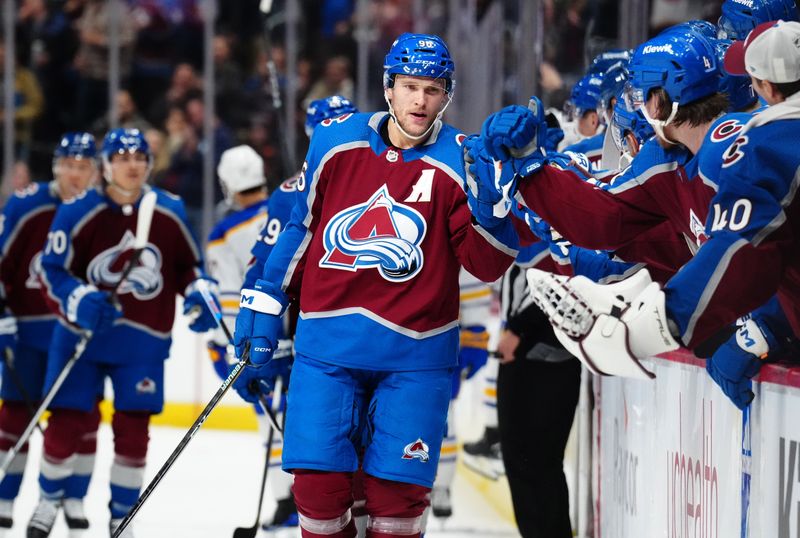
(780, 218)
(494, 242)
(638, 181)
(535, 260)
(20, 223)
(375, 120)
(437, 128)
(310, 199)
(144, 328)
(416, 335)
(711, 287)
(39, 317)
(608, 279)
(77, 229)
(446, 169)
(708, 181)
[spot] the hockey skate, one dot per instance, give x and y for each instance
(75, 517)
(483, 456)
(285, 516)
(43, 518)
(6, 515)
(440, 503)
(116, 522)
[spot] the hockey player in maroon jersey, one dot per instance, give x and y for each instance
(27, 324)
(372, 251)
(88, 245)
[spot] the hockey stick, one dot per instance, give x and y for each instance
(287, 155)
(237, 369)
(202, 286)
(143, 221)
(250, 532)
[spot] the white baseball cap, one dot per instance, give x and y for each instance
(770, 52)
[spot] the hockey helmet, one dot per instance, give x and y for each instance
(320, 110)
(739, 17)
(738, 88)
(120, 141)
(419, 55)
(240, 168)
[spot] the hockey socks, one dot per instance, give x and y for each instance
(14, 417)
(130, 452)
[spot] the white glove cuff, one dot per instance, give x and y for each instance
(260, 302)
(74, 299)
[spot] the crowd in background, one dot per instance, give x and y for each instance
(62, 70)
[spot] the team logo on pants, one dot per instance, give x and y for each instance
(146, 386)
(381, 233)
(418, 449)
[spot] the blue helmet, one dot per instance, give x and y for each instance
(739, 89)
(700, 26)
(320, 110)
(419, 55)
(603, 61)
(682, 63)
(79, 145)
(585, 95)
(740, 16)
(614, 81)
(121, 140)
(630, 120)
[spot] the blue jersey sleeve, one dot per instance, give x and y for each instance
(750, 230)
(279, 211)
(58, 280)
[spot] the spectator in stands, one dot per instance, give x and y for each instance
(227, 84)
(28, 105)
(185, 83)
(92, 60)
(47, 45)
(336, 80)
(128, 116)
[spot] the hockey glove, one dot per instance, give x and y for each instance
(610, 328)
(474, 352)
(739, 359)
(553, 139)
(91, 309)
(259, 323)
(8, 336)
(490, 185)
(218, 353)
(196, 308)
(508, 131)
(260, 380)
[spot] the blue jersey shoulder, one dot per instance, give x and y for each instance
(340, 130)
(27, 199)
(587, 145)
(235, 219)
(720, 136)
(280, 204)
(446, 148)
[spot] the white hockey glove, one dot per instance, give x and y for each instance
(610, 328)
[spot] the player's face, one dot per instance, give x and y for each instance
(129, 170)
(416, 101)
(74, 175)
(588, 123)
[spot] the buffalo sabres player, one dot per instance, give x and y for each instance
(88, 245)
(27, 323)
(372, 251)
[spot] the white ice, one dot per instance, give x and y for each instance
(212, 489)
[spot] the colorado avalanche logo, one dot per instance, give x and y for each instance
(145, 280)
(380, 233)
(416, 450)
(34, 272)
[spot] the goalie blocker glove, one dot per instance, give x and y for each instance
(259, 323)
(610, 328)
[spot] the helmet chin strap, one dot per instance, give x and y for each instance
(430, 127)
(658, 125)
